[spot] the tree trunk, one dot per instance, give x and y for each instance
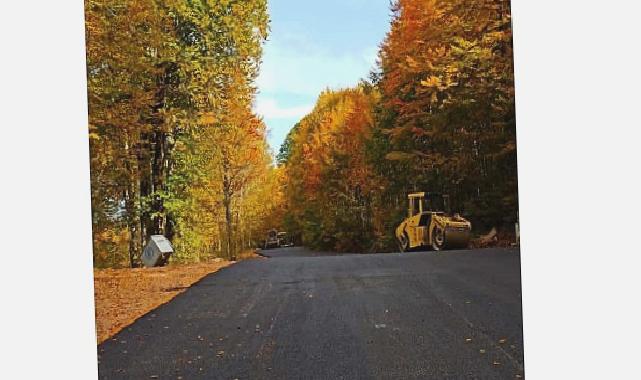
(228, 226)
(130, 202)
(131, 224)
(227, 194)
(156, 222)
(154, 158)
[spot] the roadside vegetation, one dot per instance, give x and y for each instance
(436, 115)
(124, 295)
(175, 147)
(177, 150)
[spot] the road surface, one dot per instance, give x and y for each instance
(310, 315)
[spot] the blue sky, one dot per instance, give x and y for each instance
(315, 45)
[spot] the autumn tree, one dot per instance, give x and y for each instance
(437, 115)
(329, 183)
(447, 109)
(156, 72)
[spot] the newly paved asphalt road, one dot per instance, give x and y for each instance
(311, 315)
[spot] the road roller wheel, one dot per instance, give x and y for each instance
(438, 239)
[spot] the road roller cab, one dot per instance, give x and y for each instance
(429, 224)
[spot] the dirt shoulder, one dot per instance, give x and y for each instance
(124, 295)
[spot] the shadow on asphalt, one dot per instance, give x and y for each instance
(305, 252)
(293, 252)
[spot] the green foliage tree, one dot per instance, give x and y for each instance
(160, 75)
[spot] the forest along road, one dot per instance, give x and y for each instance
(311, 315)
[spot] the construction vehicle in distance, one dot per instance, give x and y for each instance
(285, 240)
(272, 240)
(429, 225)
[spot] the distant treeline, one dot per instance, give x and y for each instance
(175, 147)
(437, 115)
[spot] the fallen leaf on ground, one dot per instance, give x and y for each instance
(124, 295)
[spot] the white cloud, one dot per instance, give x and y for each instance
(269, 109)
(371, 56)
(308, 71)
(295, 69)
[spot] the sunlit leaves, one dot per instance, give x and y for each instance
(160, 79)
(448, 104)
(440, 117)
(328, 178)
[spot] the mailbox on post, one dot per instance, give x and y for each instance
(157, 251)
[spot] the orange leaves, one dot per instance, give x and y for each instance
(327, 165)
(445, 81)
(411, 62)
(124, 295)
(208, 118)
(432, 81)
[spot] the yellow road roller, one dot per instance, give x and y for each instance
(429, 226)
